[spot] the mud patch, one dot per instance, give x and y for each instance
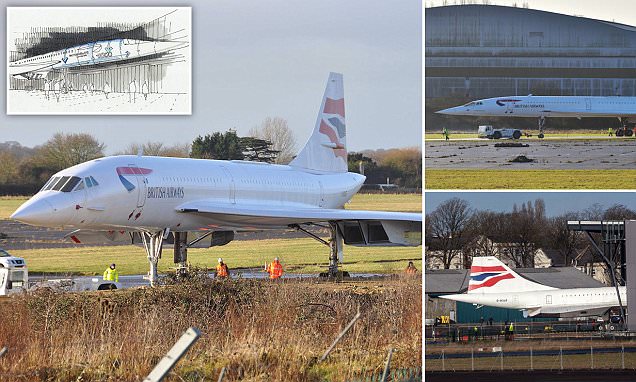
(521, 159)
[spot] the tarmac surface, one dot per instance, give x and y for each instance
(84, 283)
(548, 154)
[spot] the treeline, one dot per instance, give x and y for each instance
(456, 232)
(402, 167)
(24, 170)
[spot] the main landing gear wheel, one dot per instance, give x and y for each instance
(496, 135)
(335, 244)
(625, 129)
(516, 134)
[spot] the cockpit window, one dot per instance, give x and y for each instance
(50, 183)
(94, 182)
(470, 104)
(70, 185)
(80, 186)
(60, 183)
(89, 184)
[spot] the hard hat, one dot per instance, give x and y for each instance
(113, 265)
(220, 260)
(275, 258)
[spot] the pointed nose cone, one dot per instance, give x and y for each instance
(451, 111)
(35, 212)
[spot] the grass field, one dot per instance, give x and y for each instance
(8, 204)
(381, 202)
(297, 255)
(535, 179)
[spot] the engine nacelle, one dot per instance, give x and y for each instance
(383, 233)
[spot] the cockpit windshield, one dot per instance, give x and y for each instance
(62, 183)
(70, 185)
(469, 104)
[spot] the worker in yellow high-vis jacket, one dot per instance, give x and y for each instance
(111, 274)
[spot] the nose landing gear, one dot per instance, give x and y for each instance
(541, 126)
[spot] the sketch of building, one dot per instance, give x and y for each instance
(99, 60)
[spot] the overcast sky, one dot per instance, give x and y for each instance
(254, 59)
(556, 203)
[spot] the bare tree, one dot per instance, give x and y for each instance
(619, 212)
(276, 131)
(66, 150)
(9, 171)
(523, 234)
(561, 239)
(482, 228)
(446, 227)
(158, 149)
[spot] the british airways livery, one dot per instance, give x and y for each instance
(542, 107)
(493, 283)
(93, 53)
(198, 202)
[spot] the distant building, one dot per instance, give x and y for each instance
(479, 51)
(484, 246)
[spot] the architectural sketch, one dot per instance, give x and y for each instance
(99, 60)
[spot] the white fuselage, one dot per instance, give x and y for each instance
(551, 301)
(548, 106)
(93, 53)
(135, 192)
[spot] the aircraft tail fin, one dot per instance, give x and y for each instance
(326, 149)
(489, 275)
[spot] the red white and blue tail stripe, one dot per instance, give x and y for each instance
(489, 275)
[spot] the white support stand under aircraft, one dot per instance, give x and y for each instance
(493, 283)
(542, 107)
(198, 202)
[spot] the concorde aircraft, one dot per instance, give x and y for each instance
(93, 53)
(198, 202)
(493, 283)
(542, 107)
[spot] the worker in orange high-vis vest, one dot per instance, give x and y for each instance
(222, 271)
(274, 269)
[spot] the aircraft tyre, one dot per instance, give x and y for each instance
(620, 132)
(516, 134)
(107, 286)
(611, 327)
(340, 275)
(496, 135)
(540, 136)
(628, 133)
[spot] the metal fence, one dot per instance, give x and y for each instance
(401, 375)
(497, 358)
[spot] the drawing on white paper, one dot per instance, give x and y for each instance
(99, 60)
